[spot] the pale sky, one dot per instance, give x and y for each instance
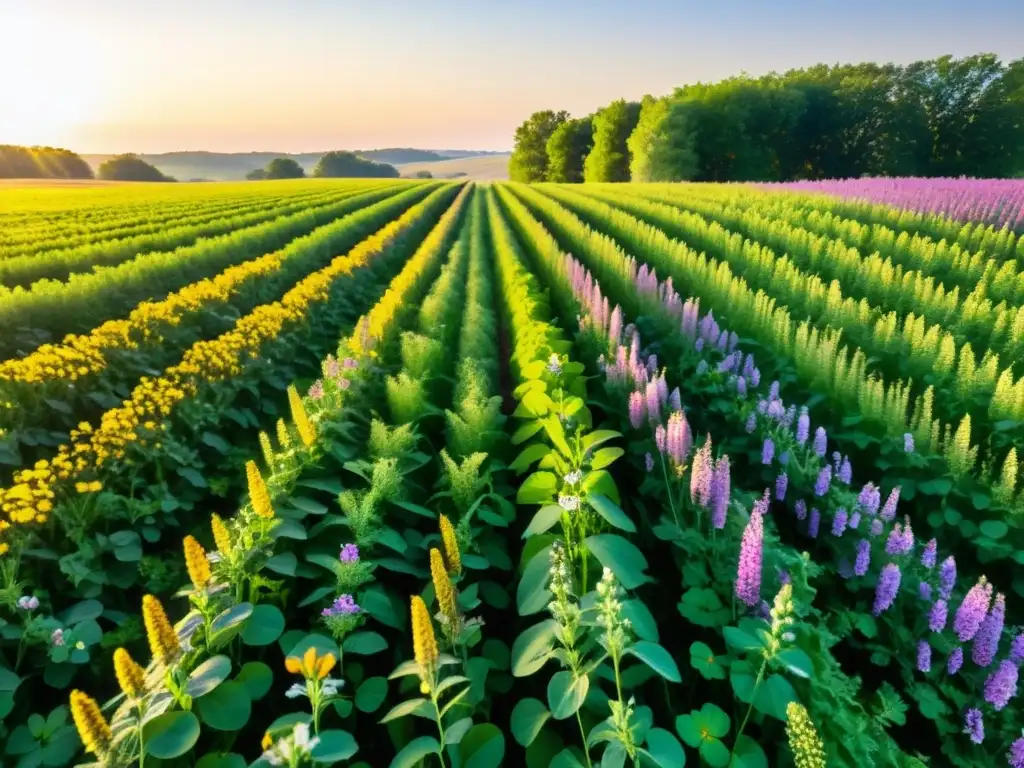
(101, 76)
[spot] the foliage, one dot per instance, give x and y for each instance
(662, 146)
(41, 163)
(129, 167)
(529, 161)
(567, 148)
(609, 159)
(350, 165)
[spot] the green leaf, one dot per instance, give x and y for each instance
(483, 746)
(703, 607)
(83, 611)
(994, 529)
(407, 707)
(308, 505)
(334, 745)
(622, 557)
(939, 486)
(597, 437)
(216, 442)
(529, 456)
(194, 477)
(703, 659)
(207, 676)
(640, 618)
(229, 623)
(227, 708)
(543, 520)
(454, 733)
(611, 512)
(566, 693)
(265, 625)
(9, 681)
(664, 749)
(532, 593)
(657, 658)
(364, 643)
(797, 662)
(538, 488)
(528, 717)
(773, 696)
(748, 754)
(533, 648)
(614, 756)
(283, 563)
(221, 760)
(257, 679)
(741, 641)
(605, 456)
(526, 431)
(371, 694)
(415, 751)
(171, 735)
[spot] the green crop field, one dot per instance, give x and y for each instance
(407, 473)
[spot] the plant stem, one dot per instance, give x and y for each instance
(750, 708)
(583, 738)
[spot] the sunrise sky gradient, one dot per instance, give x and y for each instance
(101, 76)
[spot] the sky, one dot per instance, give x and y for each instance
(106, 76)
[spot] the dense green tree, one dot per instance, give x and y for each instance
(41, 163)
(662, 147)
(284, 168)
(344, 165)
(257, 175)
(423, 175)
(609, 158)
(529, 161)
(130, 167)
(567, 148)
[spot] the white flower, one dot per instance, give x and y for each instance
(573, 477)
(57, 637)
(303, 741)
(332, 686)
(569, 503)
(555, 365)
(297, 690)
(27, 603)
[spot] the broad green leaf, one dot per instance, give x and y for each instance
(257, 679)
(172, 734)
(611, 512)
(265, 625)
(221, 760)
(528, 456)
(334, 745)
(483, 746)
(371, 694)
(532, 593)
(415, 751)
(657, 658)
(605, 456)
(664, 749)
(796, 661)
(703, 659)
(364, 643)
(566, 693)
(227, 708)
(207, 676)
(528, 717)
(408, 707)
(538, 488)
(543, 520)
(533, 648)
(622, 557)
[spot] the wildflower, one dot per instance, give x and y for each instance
(800, 509)
(908, 443)
(889, 510)
(781, 483)
(311, 666)
(767, 451)
(653, 401)
(163, 640)
(1001, 685)
(569, 503)
(947, 577)
(813, 523)
(661, 439)
(869, 498)
(258, 495)
(956, 660)
(751, 423)
(860, 565)
(888, 586)
(748, 574)
(450, 545)
(804, 742)
(775, 410)
(57, 638)
(27, 603)
(649, 462)
(221, 536)
(820, 441)
(92, 726)
(196, 564)
(675, 400)
(803, 427)
(972, 610)
(924, 656)
(924, 591)
(938, 615)
(974, 725)
(554, 365)
(678, 439)
(854, 522)
(424, 643)
(845, 472)
(839, 522)
(1015, 757)
(986, 642)
(701, 476)
(741, 387)
(720, 493)
(344, 605)
(1017, 649)
(443, 588)
(636, 410)
(901, 539)
(824, 481)
(349, 554)
(877, 527)
(130, 676)
(302, 423)
(929, 554)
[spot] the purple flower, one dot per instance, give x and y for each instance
(751, 423)
(700, 476)
(972, 610)
(741, 387)
(869, 498)
(27, 603)
(860, 565)
(649, 462)
(345, 605)
(845, 472)
(1017, 649)
(316, 391)
(662, 386)
(800, 508)
(789, 417)
(839, 522)
(820, 441)
(803, 427)
(675, 400)
(653, 402)
(814, 523)
(889, 510)
(1015, 757)
(947, 577)
(823, 482)
(615, 326)
(876, 527)
(699, 345)
(938, 615)
(956, 660)
(781, 482)
(761, 505)
(349, 554)
(901, 539)
(767, 451)
(974, 726)
(783, 577)
(928, 556)
(888, 586)
(986, 642)
(773, 391)
(762, 407)
(855, 519)
(720, 493)
(678, 440)
(908, 443)
(636, 410)
(775, 410)
(924, 591)
(748, 572)
(924, 656)
(1001, 685)
(661, 438)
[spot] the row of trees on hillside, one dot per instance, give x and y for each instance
(333, 165)
(943, 117)
(130, 167)
(41, 163)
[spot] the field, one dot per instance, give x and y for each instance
(484, 168)
(435, 473)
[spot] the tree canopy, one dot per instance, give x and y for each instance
(567, 148)
(609, 159)
(529, 161)
(349, 165)
(130, 167)
(41, 163)
(662, 146)
(284, 168)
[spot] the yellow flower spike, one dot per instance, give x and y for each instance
(443, 587)
(302, 424)
(283, 438)
(258, 494)
(196, 563)
(92, 726)
(130, 676)
(451, 547)
(163, 640)
(221, 535)
(268, 741)
(324, 665)
(424, 642)
(808, 751)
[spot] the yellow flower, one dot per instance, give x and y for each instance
(282, 435)
(258, 494)
(808, 751)
(92, 726)
(221, 536)
(95, 486)
(311, 665)
(196, 563)
(443, 588)
(130, 676)
(451, 547)
(163, 640)
(302, 424)
(424, 643)
(268, 741)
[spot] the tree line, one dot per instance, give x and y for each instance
(333, 165)
(942, 117)
(41, 163)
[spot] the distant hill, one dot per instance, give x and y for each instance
(228, 166)
(489, 167)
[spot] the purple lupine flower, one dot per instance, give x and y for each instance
(636, 410)
(781, 482)
(767, 451)
(928, 556)
(924, 656)
(888, 586)
(820, 441)
(897, 542)
(837, 461)
(775, 410)
(803, 426)
(720, 493)
(751, 423)
(349, 554)
(869, 498)
(748, 572)
(734, 339)
(723, 341)
(741, 387)
(652, 365)
(316, 391)
(788, 419)
(649, 462)
(908, 443)
(345, 605)
(679, 441)
(972, 610)
(947, 577)
(986, 642)
(839, 522)
(974, 725)
(823, 482)
(661, 438)
(860, 565)
(762, 407)
(662, 386)
(800, 508)
(773, 391)
(938, 615)
(653, 402)
(700, 476)
(924, 591)
(783, 576)
(956, 660)
(754, 378)
(813, 523)
(675, 400)
(615, 326)
(1015, 756)
(1001, 685)
(1017, 649)
(876, 527)
(699, 346)
(702, 367)
(889, 510)
(845, 472)
(855, 519)
(761, 505)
